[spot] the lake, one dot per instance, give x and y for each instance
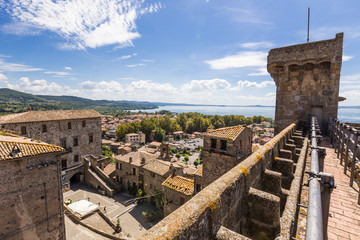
(345, 114)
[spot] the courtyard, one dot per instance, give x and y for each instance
(131, 219)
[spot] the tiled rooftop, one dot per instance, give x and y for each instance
(136, 158)
(180, 184)
(225, 133)
(199, 171)
(25, 147)
(39, 116)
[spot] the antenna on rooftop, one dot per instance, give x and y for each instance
(308, 28)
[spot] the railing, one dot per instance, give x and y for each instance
(345, 139)
(320, 188)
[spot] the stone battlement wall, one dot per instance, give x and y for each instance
(249, 200)
(307, 78)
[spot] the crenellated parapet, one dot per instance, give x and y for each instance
(307, 78)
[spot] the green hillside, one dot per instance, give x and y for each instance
(12, 101)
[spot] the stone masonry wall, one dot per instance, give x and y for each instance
(58, 130)
(307, 81)
(31, 208)
(246, 201)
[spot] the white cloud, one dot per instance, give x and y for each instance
(148, 86)
(242, 15)
(248, 84)
(256, 45)
(67, 68)
(350, 78)
(206, 85)
(19, 28)
(81, 23)
(346, 58)
(58, 74)
(261, 72)
(128, 56)
(240, 60)
(270, 95)
(16, 67)
(148, 60)
(101, 87)
(349, 94)
(135, 65)
(37, 86)
(3, 78)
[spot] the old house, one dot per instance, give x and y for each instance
(77, 131)
(135, 137)
(30, 193)
(223, 149)
(128, 168)
(177, 191)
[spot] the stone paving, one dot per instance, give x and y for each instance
(131, 219)
(344, 216)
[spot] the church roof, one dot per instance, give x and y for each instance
(14, 147)
(180, 184)
(225, 133)
(54, 115)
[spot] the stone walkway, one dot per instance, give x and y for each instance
(344, 216)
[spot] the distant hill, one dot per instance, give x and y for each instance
(12, 101)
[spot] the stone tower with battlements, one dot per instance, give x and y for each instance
(307, 80)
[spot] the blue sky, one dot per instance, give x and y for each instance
(188, 51)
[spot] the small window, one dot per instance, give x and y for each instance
(83, 123)
(223, 144)
(213, 143)
(153, 174)
(134, 171)
(76, 158)
(91, 138)
(240, 144)
(69, 125)
(64, 163)
(44, 128)
(63, 143)
(182, 200)
(23, 130)
(198, 187)
(120, 166)
(76, 141)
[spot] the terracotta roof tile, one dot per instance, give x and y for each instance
(180, 184)
(199, 171)
(226, 133)
(158, 166)
(40, 116)
(25, 146)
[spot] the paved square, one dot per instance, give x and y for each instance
(131, 220)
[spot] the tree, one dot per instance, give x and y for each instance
(105, 150)
(159, 135)
(196, 163)
(186, 158)
(146, 126)
(178, 155)
(182, 121)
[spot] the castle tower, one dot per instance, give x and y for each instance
(307, 80)
(223, 149)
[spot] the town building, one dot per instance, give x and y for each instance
(135, 137)
(223, 149)
(31, 190)
(160, 173)
(77, 131)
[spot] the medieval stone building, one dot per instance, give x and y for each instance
(77, 131)
(30, 194)
(307, 81)
(223, 149)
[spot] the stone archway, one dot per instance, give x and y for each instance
(77, 177)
